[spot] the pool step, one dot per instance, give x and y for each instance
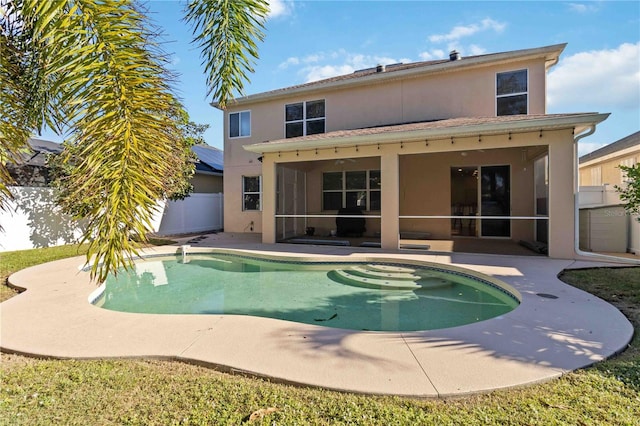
(348, 277)
(389, 268)
(368, 272)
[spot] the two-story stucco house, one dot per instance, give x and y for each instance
(418, 148)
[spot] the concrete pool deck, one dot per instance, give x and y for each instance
(541, 339)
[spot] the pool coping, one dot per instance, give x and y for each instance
(540, 340)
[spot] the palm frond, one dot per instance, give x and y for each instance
(227, 31)
(124, 146)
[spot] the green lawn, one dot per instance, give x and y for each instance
(45, 392)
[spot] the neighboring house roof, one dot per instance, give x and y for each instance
(454, 127)
(210, 159)
(615, 147)
(400, 71)
(38, 150)
(30, 167)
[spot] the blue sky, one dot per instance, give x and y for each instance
(309, 40)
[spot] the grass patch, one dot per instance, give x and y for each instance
(138, 392)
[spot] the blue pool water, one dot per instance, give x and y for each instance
(360, 296)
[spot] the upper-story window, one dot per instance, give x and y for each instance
(240, 124)
(512, 93)
(304, 118)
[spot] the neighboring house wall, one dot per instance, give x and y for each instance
(32, 220)
(196, 213)
(602, 166)
(206, 184)
(607, 169)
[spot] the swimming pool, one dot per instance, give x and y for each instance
(374, 296)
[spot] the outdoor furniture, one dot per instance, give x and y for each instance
(350, 226)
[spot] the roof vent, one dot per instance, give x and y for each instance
(454, 55)
(380, 68)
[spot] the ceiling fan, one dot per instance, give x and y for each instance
(342, 160)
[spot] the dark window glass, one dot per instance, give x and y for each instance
(315, 109)
(356, 180)
(332, 181)
(293, 112)
(315, 127)
(294, 129)
(375, 200)
(252, 201)
(332, 200)
(234, 125)
(512, 105)
(511, 82)
(374, 180)
(356, 199)
(252, 184)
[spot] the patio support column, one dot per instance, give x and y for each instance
(268, 200)
(389, 203)
(561, 203)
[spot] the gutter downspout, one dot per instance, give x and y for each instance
(576, 208)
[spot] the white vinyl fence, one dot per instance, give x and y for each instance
(32, 220)
(595, 198)
(196, 213)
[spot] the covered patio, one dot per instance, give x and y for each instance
(506, 178)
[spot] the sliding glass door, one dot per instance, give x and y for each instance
(495, 200)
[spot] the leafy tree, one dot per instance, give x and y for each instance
(630, 193)
(92, 70)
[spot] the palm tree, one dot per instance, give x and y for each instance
(91, 70)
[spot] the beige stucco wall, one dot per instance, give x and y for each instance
(462, 93)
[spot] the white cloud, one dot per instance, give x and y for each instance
(432, 55)
(323, 65)
(600, 80)
(289, 62)
(462, 31)
(279, 8)
(321, 72)
(582, 8)
(476, 50)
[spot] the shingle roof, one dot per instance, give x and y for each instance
(624, 143)
(451, 123)
(38, 150)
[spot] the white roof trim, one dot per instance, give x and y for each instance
(581, 122)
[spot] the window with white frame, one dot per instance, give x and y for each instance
(351, 189)
(240, 124)
(512, 92)
(627, 162)
(304, 118)
(251, 192)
